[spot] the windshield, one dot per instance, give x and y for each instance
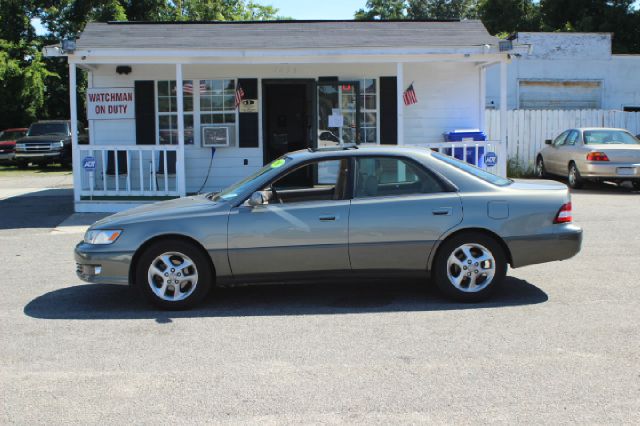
(238, 188)
(11, 136)
(473, 170)
(39, 129)
(593, 137)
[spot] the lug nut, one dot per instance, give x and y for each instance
(173, 270)
(464, 267)
(166, 274)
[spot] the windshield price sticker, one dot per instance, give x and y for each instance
(491, 159)
(89, 164)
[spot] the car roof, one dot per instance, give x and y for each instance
(359, 150)
(598, 128)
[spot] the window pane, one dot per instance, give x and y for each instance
(391, 176)
(205, 103)
(229, 102)
(163, 88)
(229, 87)
(369, 86)
(188, 129)
(369, 102)
(229, 118)
(322, 180)
(163, 104)
(168, 129)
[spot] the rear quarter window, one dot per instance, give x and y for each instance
(473, 170)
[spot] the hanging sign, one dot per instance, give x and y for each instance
(248, 105)
(89, 164)
(115, 103)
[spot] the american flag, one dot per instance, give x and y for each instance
(239, 95)
(188, 87)
(409, 96)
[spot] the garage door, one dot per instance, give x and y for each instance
(560, 94)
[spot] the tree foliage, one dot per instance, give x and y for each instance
(34, 87)
(620, 17)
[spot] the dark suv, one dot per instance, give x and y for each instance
(47, 142)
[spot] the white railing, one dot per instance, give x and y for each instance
(474, 152)
(129, 171)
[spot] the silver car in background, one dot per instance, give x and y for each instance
(595, 153)
(337, 213)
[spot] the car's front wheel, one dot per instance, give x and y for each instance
(174, 274)
(469, 267)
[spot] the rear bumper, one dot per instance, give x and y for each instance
(99, 267)
(604, 170)
(563, 244)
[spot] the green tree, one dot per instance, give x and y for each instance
(509, 16)
(442, 9)
(383, 9)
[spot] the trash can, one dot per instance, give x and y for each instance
(467, 135)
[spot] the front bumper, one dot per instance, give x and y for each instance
(96, 265)
(7, 156)
(562, 244)
(608, 170)
(35, 156)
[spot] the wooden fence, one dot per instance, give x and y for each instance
(528, 129)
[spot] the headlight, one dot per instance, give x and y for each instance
(101, 236)
(21, 146)
(58, 144)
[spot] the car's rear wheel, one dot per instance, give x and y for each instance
(574, 178)
(174, 274)
(469, 267)
(540, 170)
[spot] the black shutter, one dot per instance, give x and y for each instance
(388, 111)
(145, 112)
(248, 121)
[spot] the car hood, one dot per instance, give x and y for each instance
(43, 138)
(171, 209)
(536, 185)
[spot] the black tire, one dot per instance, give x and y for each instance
(453, 246)
(541, 172)
(573, 177)
(22, 164)
(636, 184)
(200, 261)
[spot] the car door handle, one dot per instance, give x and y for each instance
(327, 218)
(443, 211)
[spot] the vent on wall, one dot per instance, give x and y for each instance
(218, 135)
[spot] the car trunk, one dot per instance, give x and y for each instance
(619, 153)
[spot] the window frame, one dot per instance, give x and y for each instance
(447, 187)
(557, 142)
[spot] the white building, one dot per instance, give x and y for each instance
(568, 71)
(305, 84)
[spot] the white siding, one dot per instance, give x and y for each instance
(448, 98)
(448, 95)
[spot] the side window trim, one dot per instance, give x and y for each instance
(561, 139)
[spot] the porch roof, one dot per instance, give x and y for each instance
(284, 35)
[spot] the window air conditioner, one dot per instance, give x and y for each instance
(217, 135)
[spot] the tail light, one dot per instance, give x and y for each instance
(564, 214)
(597, 156)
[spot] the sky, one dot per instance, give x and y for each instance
(314, 9)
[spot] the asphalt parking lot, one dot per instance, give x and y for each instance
(560, 343)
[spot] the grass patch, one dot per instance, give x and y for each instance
(516, 169)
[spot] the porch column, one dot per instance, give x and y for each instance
(503, 103)
(399, 100)
(180, 166)
(73, 115)
(483, 98)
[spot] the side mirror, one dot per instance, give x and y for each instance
(548, 142)
(256, 199)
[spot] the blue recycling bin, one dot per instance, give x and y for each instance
(467, 135)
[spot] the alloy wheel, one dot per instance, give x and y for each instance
(471, 267)
(172, 276)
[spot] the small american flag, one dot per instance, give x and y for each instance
(409, 96)
(188, 87)
(239, 96)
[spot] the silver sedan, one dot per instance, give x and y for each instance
(599, 154)
(337, 213)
